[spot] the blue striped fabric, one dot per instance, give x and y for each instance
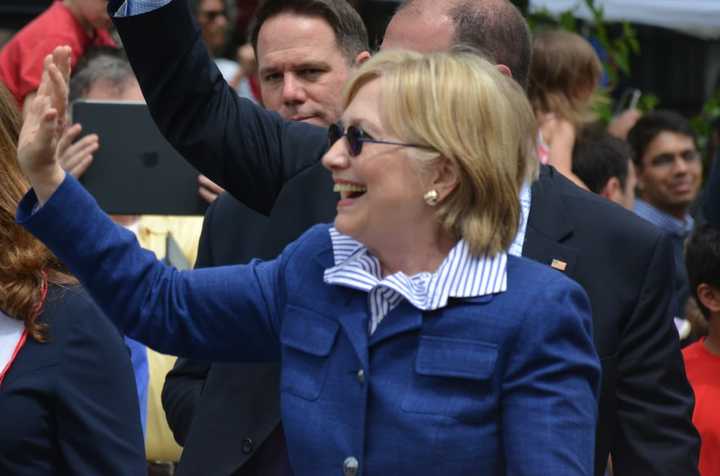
(664, 221)
(136, 7)
(460, 275)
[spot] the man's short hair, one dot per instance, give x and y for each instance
(650, 126)
(495, 28)
(350, 32)
(702, 260)
(100, 65)
(498, 29)
(597, 157)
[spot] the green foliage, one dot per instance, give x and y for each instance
(619, 47)
(703, 122)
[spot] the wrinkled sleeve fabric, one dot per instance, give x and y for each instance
(96, 398)
(225, 313)
(247, 150)
(551, 386)
(652, 388)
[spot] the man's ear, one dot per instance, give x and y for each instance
(362, 57)
(445, 178)
(613, 190)
(505, 70)
(709, 296)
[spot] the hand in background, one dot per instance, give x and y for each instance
(621, 124)
(208, 190)
(76, 157)
(247, 62)
(246, 59)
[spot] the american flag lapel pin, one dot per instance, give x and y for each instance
(558, 264)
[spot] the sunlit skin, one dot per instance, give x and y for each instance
(213, 23)
(670, 187)
(424, 30)
(425, 27)
(301, 68)
(390, 217)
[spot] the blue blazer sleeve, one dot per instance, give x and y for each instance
(225, 313)
(551, 385)
(248, 150)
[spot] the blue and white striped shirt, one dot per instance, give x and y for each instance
(460, 275)
(136, 7)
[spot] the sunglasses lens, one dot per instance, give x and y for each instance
(354, 140)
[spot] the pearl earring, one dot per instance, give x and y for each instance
(431, 198)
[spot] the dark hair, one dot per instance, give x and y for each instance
(101, 65)
(650, 126)
(702, 260)
(498, 30)
(350, 33)
(597, 157)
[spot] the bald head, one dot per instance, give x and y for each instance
(496, 28)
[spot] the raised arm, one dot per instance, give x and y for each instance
(247, 150)
(196, 314)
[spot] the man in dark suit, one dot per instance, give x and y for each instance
(227, 416)
(624, 264)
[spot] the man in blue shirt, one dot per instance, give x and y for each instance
(669, 174)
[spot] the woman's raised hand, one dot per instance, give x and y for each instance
(44, 125)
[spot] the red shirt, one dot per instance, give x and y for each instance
(21, 60)
(703, 372)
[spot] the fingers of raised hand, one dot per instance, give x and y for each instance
(76, 157)
(62, 56)
(38, 135)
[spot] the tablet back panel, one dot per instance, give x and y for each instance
(135, 171)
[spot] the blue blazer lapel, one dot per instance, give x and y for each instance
(404, 318)
(349, 307)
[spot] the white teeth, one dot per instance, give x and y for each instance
(346, 187)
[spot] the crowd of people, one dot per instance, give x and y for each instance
(432, 258)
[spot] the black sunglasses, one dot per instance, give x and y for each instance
(356, 136)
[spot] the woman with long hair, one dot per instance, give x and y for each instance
(67, 392)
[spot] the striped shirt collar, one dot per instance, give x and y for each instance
(664, 221)
(460, 275)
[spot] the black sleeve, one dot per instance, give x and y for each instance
(97, 401)
(249, 151)
(181, 395)
(655, 435)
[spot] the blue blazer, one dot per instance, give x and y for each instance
(502, 384)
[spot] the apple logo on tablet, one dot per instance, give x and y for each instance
(150, 159)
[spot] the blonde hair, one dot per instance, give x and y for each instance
(461, 107)
(564, 66)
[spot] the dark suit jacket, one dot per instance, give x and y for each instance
(624, 264)
(68, 405)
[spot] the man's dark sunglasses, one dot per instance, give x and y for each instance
(356, 136)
